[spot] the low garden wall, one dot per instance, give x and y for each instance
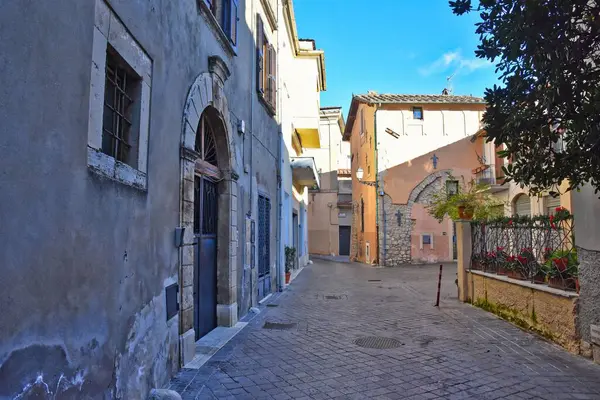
(547, 311)
(524, 269)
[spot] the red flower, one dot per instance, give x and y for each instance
(499, 248)
(510, 222)
(553, 225)
(522, 260)
(511, 258)
(559, 208)
(551, 218)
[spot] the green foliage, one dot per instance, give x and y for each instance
(290, 258)
(547, 109)
(476, 198)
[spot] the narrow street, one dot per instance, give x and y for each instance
(454, 352)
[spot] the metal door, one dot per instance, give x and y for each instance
(205, 271)
(264, 247)
(295, 228)
(344, 234)
(454, 244)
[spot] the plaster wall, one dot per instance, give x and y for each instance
(552, 315)
(86, 260)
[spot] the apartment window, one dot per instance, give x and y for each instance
(121, 101)
(266, 68)
(226, 15)
(418, 113)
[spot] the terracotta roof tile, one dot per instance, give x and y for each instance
(417, 98)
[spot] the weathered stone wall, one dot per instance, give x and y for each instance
(589, 302)
(549, 312)
(86, 259)
(395, 236)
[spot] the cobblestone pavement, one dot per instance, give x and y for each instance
(454, 352)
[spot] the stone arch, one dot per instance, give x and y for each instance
(429, 179)
(207, 98)
(397, 223)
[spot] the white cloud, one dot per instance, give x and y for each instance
(454, 60)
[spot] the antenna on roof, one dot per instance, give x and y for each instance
(449, 89)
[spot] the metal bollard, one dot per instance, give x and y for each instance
(437, 302)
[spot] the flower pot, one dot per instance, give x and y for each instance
(539, 278)
(475, 265)
(502, 271)
(577, 285)
(465, 213)
(517, 275)
(288, 275)
(562, 283)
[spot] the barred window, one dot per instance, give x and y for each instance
(121, 106)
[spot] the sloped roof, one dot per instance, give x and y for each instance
(414, 99)
(417, 98)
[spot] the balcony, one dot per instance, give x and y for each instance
(344, 200)
(304, 172)
(492, 175)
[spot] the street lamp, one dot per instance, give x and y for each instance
(359, 175)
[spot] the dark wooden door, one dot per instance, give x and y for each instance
(264, 247)
(205, 271)
(344, 240)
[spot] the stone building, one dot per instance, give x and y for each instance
(330, 205)
(402, 148)
(151, 211)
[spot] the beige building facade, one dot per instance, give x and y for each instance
(330, 205)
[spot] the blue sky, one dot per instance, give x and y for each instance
(393, 46)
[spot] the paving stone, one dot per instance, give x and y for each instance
(453, 352)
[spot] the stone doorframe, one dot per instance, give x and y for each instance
(398, 239)
(206, 96)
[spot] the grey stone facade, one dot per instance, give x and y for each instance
(589, 294)
(86, 257)
(395, 236)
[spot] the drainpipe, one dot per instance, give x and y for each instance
(251, 169)
(376, 183)
(279, 264)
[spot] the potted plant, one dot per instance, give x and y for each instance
(540, 274)
(472, 201)
(476, 261)
(290, 258)
(563, 270)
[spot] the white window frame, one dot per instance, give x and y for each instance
(108, 29)
(421, 240)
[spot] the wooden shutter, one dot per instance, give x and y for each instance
(233, 30)
(259, 55)
(523, 205)
(272, 67)
(551, 204)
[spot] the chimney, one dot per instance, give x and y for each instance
(445, 92)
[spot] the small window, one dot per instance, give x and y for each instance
(121, 106)
(426, 240)
(362, 215)
(418, 113)
(362, 123)
(226, 14)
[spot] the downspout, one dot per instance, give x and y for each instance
(376, 182)
(279, 264)
(249, 213)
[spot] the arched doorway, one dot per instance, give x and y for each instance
(206, 178)
(208, 248)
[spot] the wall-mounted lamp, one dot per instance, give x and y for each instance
(359, 175)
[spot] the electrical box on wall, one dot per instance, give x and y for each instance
(171, 294)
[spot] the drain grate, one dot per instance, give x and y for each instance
(272, 305)
(333, 297)
(378, 342)
(280, 326)
(374, 280)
